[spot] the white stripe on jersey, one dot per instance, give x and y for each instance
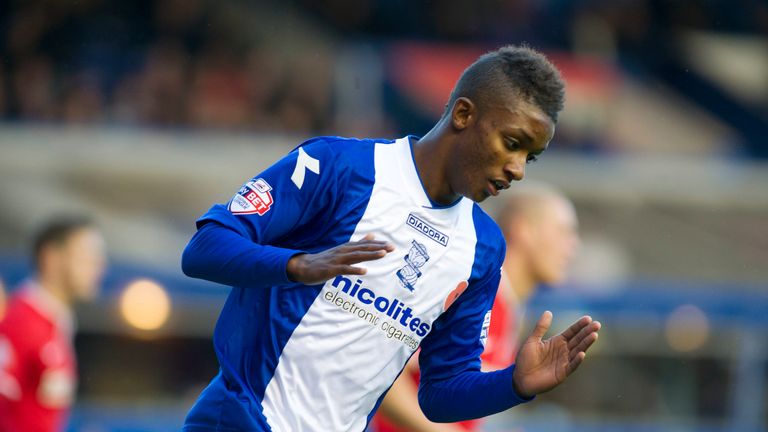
(344, 353)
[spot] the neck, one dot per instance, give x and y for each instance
(431, 155)
(519, 275)
(55, 288)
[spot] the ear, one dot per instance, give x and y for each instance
(47, 258)
(463, 113)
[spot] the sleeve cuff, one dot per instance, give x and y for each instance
(273, 264)
(285, 255)
(514, 396)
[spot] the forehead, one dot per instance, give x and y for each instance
(86, 237)
(524, 118)
(562, 210)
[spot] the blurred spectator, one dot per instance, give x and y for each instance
(164, 63)
(3, 92)
(37, 360)
(82, 99)
(220, 93)
(33, 85)
(156, 94)
(257, 66)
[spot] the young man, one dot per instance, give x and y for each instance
(310, 340)
(37, 360)
(541, 230)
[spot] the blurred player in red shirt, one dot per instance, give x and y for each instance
(37, 360)
(541, 229)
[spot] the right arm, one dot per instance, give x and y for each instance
(237, 244)
(218, 254)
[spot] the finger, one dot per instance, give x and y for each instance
(360, 256)
(370, 238)
(584, 332)
(584, 345)
(545, 321)
(574, 364)
(588, 338)
(380, 244)
(350, 270)
(370, 246)
(576, 327)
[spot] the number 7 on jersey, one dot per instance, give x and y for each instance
(303, 163)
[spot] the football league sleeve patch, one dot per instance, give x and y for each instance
(253, 198)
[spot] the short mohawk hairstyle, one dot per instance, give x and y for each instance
(527, 72)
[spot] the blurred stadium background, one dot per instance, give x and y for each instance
(144, 113)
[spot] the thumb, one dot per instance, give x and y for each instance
(542, 326)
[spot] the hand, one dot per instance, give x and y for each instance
(544, 364)
(317, 268)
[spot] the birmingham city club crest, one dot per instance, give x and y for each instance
(414, 261)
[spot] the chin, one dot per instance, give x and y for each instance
(554, 280)
(479, 197)
(86, 296)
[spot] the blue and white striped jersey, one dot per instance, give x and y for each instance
(296, 357)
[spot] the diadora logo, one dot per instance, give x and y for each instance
(253, 197)
(415, 260)
(428, 230)
(393, 308)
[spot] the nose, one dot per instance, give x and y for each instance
(515, 169)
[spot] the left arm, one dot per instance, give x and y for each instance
(453, 388)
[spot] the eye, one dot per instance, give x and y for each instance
(512, 144)
(531, 158)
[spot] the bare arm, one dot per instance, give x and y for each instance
(401, 406)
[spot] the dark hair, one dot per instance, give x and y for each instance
(56, 232)
(523, 70)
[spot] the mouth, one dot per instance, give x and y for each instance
(495, 186)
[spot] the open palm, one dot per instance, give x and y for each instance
(542, 364)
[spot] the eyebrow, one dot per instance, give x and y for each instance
(518, 130)
(527, 138)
